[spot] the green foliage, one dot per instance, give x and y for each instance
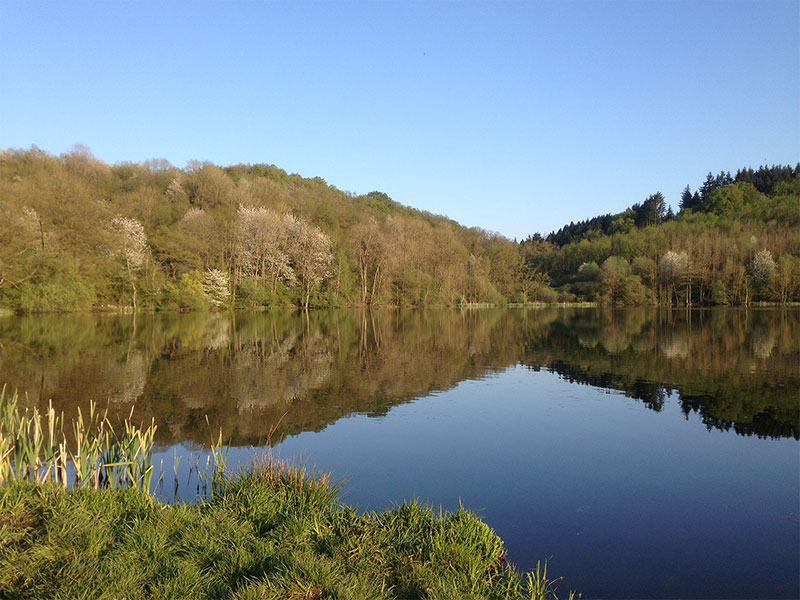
(251, 293)
(589, 272)
(621, 287)
(64, 289)
(635, 293)
(188, 294)
(381, 202)
(540, 292)
(718, 293)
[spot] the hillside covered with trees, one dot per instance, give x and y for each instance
(76, 233)
(734, 241)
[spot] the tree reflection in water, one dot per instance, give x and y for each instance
(738, 370)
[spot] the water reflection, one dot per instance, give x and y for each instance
(557, 466)
(739, 370)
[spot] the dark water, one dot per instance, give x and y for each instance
(644, 453)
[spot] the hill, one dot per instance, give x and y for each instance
(734, 241)
(77, 233)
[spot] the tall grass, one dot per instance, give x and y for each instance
(34, 447)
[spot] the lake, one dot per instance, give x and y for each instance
(643, 453)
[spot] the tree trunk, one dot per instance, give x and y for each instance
(133, 281)
(375, 285)
(362, 271)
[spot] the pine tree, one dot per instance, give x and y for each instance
(686, 199)
(708, 186)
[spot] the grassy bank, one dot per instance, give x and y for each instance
(78, 520)
(270, 533)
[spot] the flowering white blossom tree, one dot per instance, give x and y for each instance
(310, 251)
(175, 190)
(216, 285)
(762, 268)
(263, 241)
(192, 215)
(674, 270)
(132, 247)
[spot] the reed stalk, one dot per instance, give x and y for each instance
(35, 448)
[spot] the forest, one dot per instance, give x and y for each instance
(79, 234)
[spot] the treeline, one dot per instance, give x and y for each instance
(76, 233)
(770, 181)
(734, 241)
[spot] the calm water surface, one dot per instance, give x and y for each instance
(644, 453)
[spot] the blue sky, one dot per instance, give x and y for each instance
(516, 117)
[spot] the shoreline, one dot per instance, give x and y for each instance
(111, 310)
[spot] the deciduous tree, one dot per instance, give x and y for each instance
(131, 247)
(310, 252)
